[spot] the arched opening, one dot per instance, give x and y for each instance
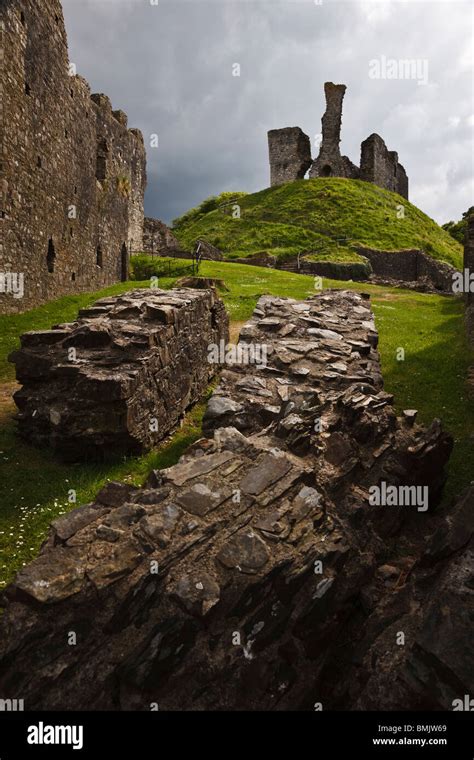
(326, 171)
(51, 256)
(98, 257)
(124, 263)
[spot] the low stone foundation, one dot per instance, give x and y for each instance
(257, 573)
(410, 266)
(119, 379)
(336, 270)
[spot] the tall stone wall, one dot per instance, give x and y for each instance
(290, 154)
(380, 166)
(117, 380)
(329, 162)
(73, 173)
(256, 573)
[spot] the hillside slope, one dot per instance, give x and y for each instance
(327, 216)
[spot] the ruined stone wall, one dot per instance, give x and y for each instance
(158, 237)
(73, 174)
(119, 378)
(410, 266)
(256, 573)
(469, 266)
(380, 166)
(290, 154)
(329, 162)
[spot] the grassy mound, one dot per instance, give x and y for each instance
(327, 216)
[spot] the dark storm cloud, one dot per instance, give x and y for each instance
(170, 68)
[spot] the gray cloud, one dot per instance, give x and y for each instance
(170, 68)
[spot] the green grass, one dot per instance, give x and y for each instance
(34, 486)
(310, 215)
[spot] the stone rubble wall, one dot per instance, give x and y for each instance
(468, 265)
(74, 175)
(138, 361)
(255, 573)
(380, 166)
(158, 238)
(411, 265)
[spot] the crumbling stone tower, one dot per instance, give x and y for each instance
(380, 166)
(73, 174)
(290, 152)
(329, 162)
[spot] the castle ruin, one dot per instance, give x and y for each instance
(264, 528)
(290, 152)
(73, 174)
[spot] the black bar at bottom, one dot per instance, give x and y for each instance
(220, 734)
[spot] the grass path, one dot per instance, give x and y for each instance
(34, 487)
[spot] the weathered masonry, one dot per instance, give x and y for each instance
(469, 269)
(73, 174)
(118, 379)
(256, 573)
(290, 152)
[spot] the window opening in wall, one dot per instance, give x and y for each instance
(124, 263)
(27, 89)
(101, 164)
(51, 256)
(39, 162)
(99, 258)
(22, 18)
(326, 171)
(73, 277)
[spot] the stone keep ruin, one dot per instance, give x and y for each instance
(73, 173)
(256, 573)
(117, 380)
(290, 152)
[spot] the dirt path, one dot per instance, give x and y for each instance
(235, 328)
(7, 405)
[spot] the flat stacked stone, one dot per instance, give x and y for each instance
(118, 379)
(256, 573)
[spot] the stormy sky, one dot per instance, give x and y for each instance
(171, 67)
